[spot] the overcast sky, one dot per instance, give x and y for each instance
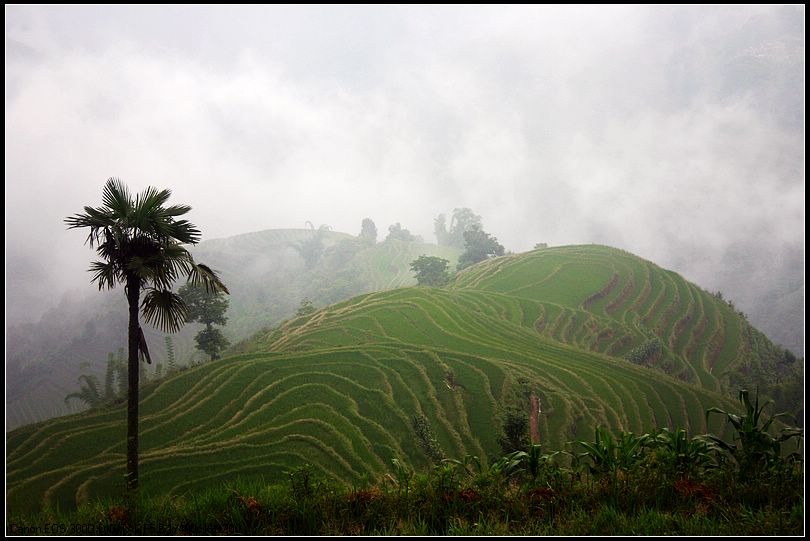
(672, 132)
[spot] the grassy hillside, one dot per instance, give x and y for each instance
(607, 300)
(339, 388)
(267, 279)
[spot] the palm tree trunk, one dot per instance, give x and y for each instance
(133, 290)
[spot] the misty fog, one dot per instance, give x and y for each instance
(676, 133)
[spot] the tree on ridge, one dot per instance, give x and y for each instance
(140, 243)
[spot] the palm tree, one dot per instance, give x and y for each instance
(141, 246)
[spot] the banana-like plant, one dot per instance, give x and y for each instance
(753, 448)
(465, 467)
(508, 465)
(608, 455)
(684, 454)
(403, 477)
(88, 392)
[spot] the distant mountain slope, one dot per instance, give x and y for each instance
(268, 278)
(338, 388)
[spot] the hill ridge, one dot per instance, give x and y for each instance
(338, 388)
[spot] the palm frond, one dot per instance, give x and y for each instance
(164, 309)
(175, 210)
(141, 239)
(184, 231)
(174, 251)
(104, 273)
(147, 209)
(97, 220)
(116, 197)
(159, 265)
(200, 275)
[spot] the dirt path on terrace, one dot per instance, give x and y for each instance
(534, 406)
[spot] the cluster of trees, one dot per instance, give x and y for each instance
(431, 270)
(397, 232)
(208, 308)
(466, 233)
(311, 249)
(464, 219)
(478, 246)
(368, 231)
(305, 308)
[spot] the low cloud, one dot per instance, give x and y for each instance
(673, 132)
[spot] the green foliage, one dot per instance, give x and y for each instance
(115, 367)
(397, 232)
(753, 449)
(426, 438)
(440, 229)
(211, 341)
(646, 352)
(204, 306)
(515, 433)
(431, 271)
(208, 308)
(464, 219)
(312, 248)
(143, 374)
(305, 308)
(88, 392)
(508, 466)
(681, 456)
(478, 246)
(368, 231)
(402, 477)
(606, 455)
(120, 365)
(453, 498)
(171, 362)
(304, 482)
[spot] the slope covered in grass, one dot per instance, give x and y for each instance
(339, 388)
(267, 279)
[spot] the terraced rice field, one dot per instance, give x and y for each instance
(628, 300)
(337, 389)
(387, 264)
(267, 280)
